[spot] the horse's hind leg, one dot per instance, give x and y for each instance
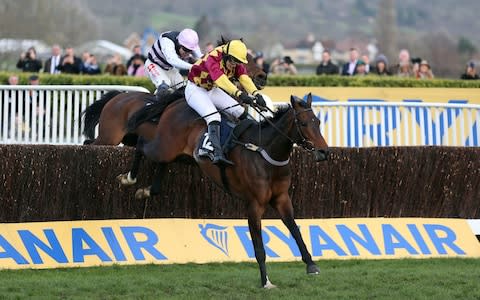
(283, 204)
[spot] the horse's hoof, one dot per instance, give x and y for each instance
(126, 180)
(313, 269)
(269, 285)
(141, 194)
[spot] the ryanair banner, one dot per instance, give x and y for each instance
(164, 241)
(433, 95)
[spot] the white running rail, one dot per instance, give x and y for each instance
(48, 114)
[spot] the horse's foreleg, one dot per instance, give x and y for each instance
(255, 226)
(283, 204)
(157, 179)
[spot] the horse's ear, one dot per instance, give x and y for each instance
(309, 100)
(293, 99)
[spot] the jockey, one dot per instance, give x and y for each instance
(210, 87)
(169, 54)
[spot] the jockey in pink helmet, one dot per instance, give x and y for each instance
(171, 52)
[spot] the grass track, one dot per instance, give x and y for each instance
(349, 279)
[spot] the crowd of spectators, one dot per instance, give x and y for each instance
(357, 64)
(70, 63)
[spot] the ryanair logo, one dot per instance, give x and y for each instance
(216, 236)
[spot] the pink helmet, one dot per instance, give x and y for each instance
(188, 38)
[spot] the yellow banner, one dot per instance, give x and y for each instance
(438, 95)
(163, 241)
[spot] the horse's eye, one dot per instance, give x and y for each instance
(303, 124)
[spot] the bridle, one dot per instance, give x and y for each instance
(305, 143)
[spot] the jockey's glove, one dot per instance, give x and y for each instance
(260, 101)
(245, 98)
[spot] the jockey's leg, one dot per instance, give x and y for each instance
(222, 100)
(199, 99)
(158, 76)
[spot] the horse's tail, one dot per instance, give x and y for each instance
(91, 115)
(152, 111)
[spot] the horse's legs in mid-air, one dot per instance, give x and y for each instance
(154, 189)
(130, 178)
(283, 204)
(255, 212)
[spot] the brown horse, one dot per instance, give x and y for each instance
(113, 110)
(261, 174)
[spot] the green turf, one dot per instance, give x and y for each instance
(349, 279)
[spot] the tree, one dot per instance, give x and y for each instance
(386, 28)
(465, 46)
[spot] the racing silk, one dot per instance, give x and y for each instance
(164, 52)
(210, 71)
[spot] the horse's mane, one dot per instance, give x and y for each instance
(153, 110)
(277, 115)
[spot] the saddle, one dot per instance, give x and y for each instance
(229, 134)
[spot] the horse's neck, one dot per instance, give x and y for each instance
(277, 139)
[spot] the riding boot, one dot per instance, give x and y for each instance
(162, 90)
(214, 136)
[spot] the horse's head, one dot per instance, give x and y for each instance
(308, 133)
(255, 72)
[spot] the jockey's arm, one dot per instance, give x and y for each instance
(168, 49)
(248, 84)
(197, 53)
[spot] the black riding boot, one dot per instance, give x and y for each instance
(214, 136)
(162, 90)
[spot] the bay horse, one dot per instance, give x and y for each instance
(112, 111)
(261, 174)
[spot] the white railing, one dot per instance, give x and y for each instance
(47, 114)
(365, 124)
(52, 115)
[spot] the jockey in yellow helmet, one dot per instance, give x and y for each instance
(209, 88)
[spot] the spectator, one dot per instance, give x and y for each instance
(424, 71)
(361, 69)
(366, 60)
(283, 66)
(115, 66)
(70, 64)
(52, 63)
(405, 70)
(90, 66)
(381, 66)
(85, 60)
(326, 66)
(350, 68)
(260, 62)
(137, 66)
(470, 72)
(137, 51)
(28, 61)
(403, 61)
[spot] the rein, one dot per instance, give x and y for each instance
(306, 144)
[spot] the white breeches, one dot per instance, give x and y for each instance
(158, 75)
(206, 103)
